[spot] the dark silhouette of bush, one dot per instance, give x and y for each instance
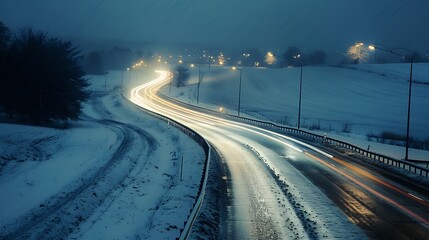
(290, 57)
(43, 80)
(4, 87)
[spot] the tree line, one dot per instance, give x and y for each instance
(41, 79)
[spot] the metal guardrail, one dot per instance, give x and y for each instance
(409, 166)
(196, 206)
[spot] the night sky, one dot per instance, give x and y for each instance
(331, 25)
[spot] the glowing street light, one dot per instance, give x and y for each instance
(358, 52)
(270, 58)
(411, 59)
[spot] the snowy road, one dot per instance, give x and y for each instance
(279, 187)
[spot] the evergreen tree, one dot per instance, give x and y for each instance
(5, 91)
(45, 79)
(290, 57)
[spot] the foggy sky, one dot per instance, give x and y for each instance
(331, 25)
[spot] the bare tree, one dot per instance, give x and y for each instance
(181, 75)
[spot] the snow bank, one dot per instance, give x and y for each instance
(114, 174)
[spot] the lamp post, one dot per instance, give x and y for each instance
(199, 82)
(129, 78)
(299, 56)
(122, 80)
(239, 90)
(169, 85)
(200, 77)
(411, 59)
(170, 67)
(129, 74)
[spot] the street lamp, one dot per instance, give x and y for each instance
(270, 58)
(129, 76)
(200, 77)
(171, 82)
(122, 80)
(199, 81)
(411, 59)
(239, 89)
(299, 56)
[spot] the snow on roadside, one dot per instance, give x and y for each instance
(30, 181)
(152, 203)
(85, 181)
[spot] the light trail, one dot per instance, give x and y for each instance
(146, 97)
(151, 88)
(371, 190)
(379, 180)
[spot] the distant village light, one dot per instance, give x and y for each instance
(270, 58)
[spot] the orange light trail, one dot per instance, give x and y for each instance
(361, 184)
(381, 181)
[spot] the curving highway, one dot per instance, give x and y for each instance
(282, 188)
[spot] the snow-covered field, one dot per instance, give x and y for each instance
(113, 174)
(347, 102)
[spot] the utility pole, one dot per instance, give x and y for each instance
(199, 82)
(210, 57)
(181, 169)
(300, 95)
(411, 59)
(122, 81)
(409, 109)
(239, 92)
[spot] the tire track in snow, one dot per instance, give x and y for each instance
(63, 213)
